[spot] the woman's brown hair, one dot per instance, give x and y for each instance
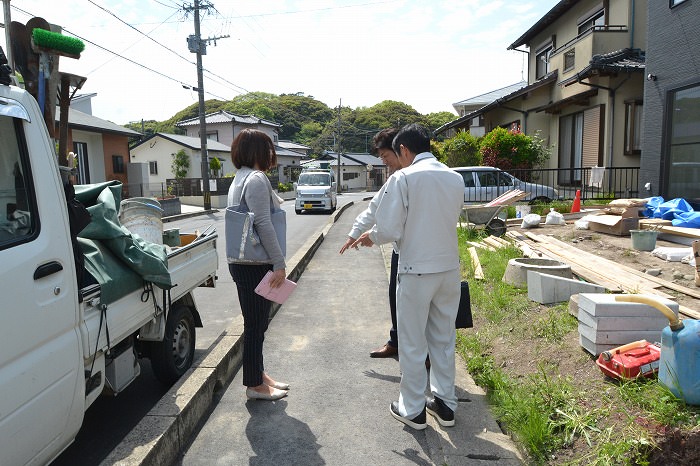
(253, 147)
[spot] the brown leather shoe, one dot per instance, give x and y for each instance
(385, 351)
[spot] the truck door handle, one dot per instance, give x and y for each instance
(44, 270)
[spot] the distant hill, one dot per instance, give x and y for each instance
(308, 121)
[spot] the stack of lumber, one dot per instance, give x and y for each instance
(508, 197)
(595, 269)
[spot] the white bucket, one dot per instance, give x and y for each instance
(142, 216)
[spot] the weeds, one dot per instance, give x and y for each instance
(556, 325)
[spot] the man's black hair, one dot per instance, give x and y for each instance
(415, 137)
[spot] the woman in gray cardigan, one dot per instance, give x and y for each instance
(253, 153)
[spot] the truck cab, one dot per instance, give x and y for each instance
(316, 190)
(62, 341)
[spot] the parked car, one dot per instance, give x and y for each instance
(316, 190)
(483, 184)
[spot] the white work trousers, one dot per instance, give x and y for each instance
(426, 308)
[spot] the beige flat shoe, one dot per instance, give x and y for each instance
(275, 395)
(280, 386)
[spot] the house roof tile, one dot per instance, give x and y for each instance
(80, 120)
(189, 142)
(222, 116)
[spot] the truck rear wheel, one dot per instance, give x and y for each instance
(173, 356)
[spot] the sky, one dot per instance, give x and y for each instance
(428, 54)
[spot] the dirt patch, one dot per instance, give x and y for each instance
(522, 356)
(619, 249)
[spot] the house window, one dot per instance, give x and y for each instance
(672, 3)
(542, 61)
(633, 127)
(350, 176)
(592, 20)
(83, 162)
(153, 167)
(213, 135)
(569, 59)
(117, 164)
(684, 144)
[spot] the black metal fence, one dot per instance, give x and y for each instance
(597, 183)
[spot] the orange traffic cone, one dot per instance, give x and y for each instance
(576, 206)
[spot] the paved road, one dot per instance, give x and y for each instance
(337, 411)
(109, 419)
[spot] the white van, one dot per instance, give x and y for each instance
(316, 190)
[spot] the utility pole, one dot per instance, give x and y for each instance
(337, 149)
(199, 46)
(8, 43)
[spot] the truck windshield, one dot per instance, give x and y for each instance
(314, 179)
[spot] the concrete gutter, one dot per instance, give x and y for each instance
(164, 432)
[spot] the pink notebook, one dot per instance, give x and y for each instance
(278, 295)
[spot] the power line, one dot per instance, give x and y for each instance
(166, 47)
(184, 85)
(177, 7)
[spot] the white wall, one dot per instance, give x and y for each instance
(96, 155)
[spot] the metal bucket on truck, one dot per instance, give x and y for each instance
(142, 216)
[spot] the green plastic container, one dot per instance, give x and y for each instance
(644, 240)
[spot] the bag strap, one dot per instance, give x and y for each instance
(245, 183)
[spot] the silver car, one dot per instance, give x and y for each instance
(483, 184)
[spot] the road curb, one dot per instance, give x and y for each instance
(162, 434)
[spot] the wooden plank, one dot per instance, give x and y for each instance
(610, 270)
(656, 280)
(480, 245)
(681, 231)
(491, 242)
(689, 312)
(476, 265)
(501, 241)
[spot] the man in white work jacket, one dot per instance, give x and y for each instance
(419, 210)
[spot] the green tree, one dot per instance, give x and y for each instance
(462, 150)
(215, 166)
(512, 149)
(181, 164)
(435, 120)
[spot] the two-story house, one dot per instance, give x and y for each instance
(670, 161)
(223, 127)
(465, 108)
(586, 86)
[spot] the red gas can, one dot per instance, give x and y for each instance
(636, 359)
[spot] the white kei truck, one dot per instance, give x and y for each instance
(61, 346)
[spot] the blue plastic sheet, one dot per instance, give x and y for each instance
(678, 210)
(669, 209)
(687, 220)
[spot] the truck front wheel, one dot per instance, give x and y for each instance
(173, 356)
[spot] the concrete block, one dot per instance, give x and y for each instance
(604, 305)
(594, 348)
(617, 337)
(623, 323)
(516, 270)
(573, 305)
(548, 289)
